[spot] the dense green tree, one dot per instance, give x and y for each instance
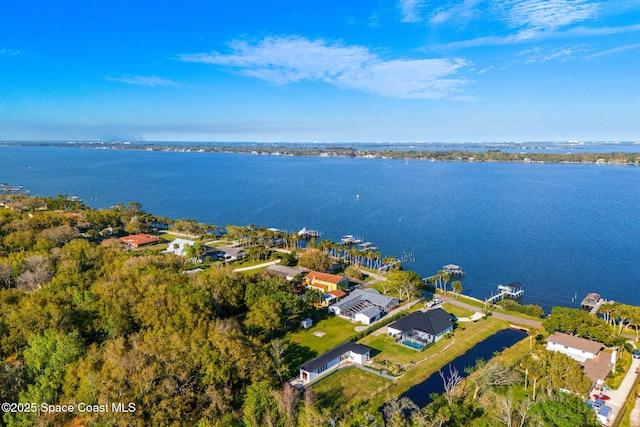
(315, 259)
(578, 322)
(407, 283)
(354, 273)
(225, 289)
(260, 406)
(565, 411)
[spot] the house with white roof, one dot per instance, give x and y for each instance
(177, 246)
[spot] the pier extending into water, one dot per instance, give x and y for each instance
(593, 302)
(513, 290)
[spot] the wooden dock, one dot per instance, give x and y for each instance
(453, 270)
(513, 291)
(593, 302)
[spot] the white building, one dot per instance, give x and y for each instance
(577, 348)
(177, 246)
(332, 359)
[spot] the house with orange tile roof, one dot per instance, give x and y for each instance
(138, 240)
(325, 282)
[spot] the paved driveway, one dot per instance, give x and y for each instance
(619, 396)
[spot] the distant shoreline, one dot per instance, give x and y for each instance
(407, 152)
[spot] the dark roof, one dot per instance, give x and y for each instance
(335, 353)
(433, 321)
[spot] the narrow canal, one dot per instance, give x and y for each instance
(420, 393)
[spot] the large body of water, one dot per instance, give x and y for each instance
(561, 230)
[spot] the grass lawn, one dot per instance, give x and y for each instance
(341, 388)
(457, 311)
(623, 365)
(304, 346)
(387, 351)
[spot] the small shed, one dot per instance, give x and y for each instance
(306, 323)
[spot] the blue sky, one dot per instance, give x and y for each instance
(375, 70)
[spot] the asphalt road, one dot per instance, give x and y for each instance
(507, 317)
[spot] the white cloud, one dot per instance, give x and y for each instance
(284, 60)
(547, 15)
(463, 11)
(540, 55)
(615, 50)
(143, 80)
(9, 52)
(484, 70)
(410, 10)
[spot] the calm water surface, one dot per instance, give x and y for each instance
(420, 393)
(561, 230)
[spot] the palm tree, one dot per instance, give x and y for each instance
(457, 287)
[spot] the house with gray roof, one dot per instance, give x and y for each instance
(287, 272)
(225, 254)
(326, 363)
(364, 306)
(418, 330)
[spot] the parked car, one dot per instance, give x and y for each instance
(636, 354)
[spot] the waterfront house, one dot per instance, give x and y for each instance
(576, 348)
(324, 364)
(139, 240)
(325, 282)
(288, 273)
(595, 363)
(177, 246)
(364, 306)
(225, 254)
(418, 330)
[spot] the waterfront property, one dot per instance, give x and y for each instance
(225, 254)
(593, 302)
(577, 348)
(364, 306)
(177, 246)
(596, 364)
(419, 329)
(139, 240)
(288, 273)
(325, 282)
(349, 352)
(513, 290)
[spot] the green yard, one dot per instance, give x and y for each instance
(303, 345)
(346, 386)
(457, 311)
